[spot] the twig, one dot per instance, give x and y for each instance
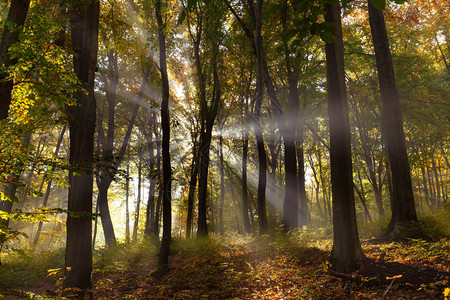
(387, 289)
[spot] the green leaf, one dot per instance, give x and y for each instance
(191, 4)
(181, 17)
(327, 37)
(378, 4)
(290, 33)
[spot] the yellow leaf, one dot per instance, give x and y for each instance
(447, 293)
(394, 277)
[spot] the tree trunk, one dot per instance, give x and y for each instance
(165, 125)
(222, 181)
(138, 204)
(150, 213)
(362, 198)
(127, 210)
(49, 185)
(425, 190)
(233, 198)
(78, 266)
(192, 185)
(154, 229)
(322, 211)
(205, 143)
(158, 214)
(346, 254)
(105, 215)
(12, 28)
(259, 95)
(403, 208)
(304, 210)
(437, 182)
(245, 204)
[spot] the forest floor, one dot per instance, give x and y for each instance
(244, 267)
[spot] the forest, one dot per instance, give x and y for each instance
(224, 149)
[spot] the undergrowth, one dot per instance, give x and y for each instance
(285, 265)
(24, 267)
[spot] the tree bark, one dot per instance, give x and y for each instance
(192, 186)
(262, 158)
(112, 164)
(78, 266)
(437, 182)
(150, 213)
(165, 125)
(203, 181)
(245, 204)
(346, 254)
(403, 208)
(138, 203)
(304, 209)
(222, 181)
(362, 198)
(291, 203)
(127, 210)
(12, 28)
(205, 143)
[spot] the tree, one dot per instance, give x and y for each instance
(165, 125)
(346, 254)
(49, 185)
(82, 117)
(403, 207)
(12, 28)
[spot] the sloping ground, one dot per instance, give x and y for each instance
(264, 268)
(267, 269)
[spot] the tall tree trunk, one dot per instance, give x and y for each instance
(437, 182)
(362, 198)
(222, 181)
(12, 28)
(233, 198)
(138, 203)
(245, 204)
(212, 206)
(165, 125)
(205, 143)
(78, 266)
(112, 164)
(346, 254)
(304, 210)
(154, 230)
(105, 215)
(291, 192)
(403, 208)
(150, 213)
(322, 211)
(191, 195)
(259, 95)
(425, 189)
(291, 203)
(49, 186)
(157, 214)
(127, 210)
